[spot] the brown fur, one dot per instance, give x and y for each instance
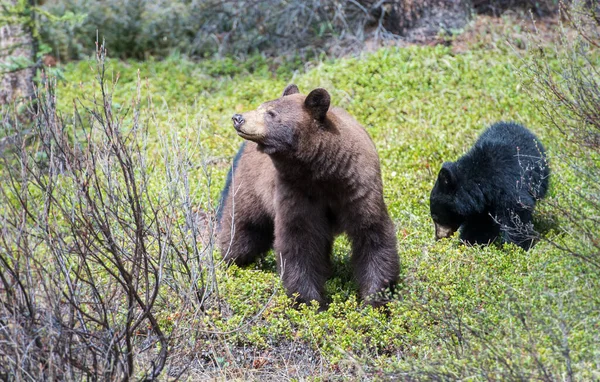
(308, 173)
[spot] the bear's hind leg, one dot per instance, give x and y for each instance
(246, 239)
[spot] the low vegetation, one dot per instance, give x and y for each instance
(489, 313)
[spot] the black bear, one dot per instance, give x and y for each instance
(306, 173)
(491, 190)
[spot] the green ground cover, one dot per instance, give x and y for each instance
(487, 313)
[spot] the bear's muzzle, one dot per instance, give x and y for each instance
(442, 232)
(238, 121)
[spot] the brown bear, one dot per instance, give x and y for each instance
(307, 173)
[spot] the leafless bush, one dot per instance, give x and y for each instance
(571, 102)
(99, 260)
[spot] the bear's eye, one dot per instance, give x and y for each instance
(271, 113)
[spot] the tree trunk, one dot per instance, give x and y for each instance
(16, 46)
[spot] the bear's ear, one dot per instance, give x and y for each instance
(290, 89)
(446, 177)
(317, 103)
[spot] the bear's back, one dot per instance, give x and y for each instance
(505, 153)
(512, 136)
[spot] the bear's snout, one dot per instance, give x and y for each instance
(442, 232)
(238, 121)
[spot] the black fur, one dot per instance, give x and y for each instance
(491, 191)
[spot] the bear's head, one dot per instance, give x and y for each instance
(279, 126)
(445, 210)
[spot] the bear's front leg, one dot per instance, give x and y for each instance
(303, 241)
(375, 259)
(480, 229)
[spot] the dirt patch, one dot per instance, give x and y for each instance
(292, 360)
(439, 21)
(512, 28)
